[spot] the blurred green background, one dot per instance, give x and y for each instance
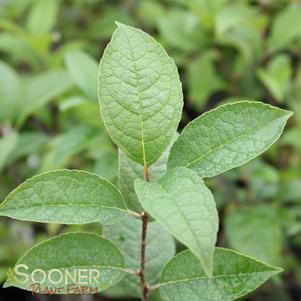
(225, 50)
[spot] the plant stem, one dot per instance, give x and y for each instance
(144, 285)
(146, 174)
(144, 217)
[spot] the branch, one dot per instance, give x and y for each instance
(144, 286)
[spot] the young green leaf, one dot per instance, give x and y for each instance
(160, 249)
(139, 94)
(185, 207)
(80, 255)
(227, 137)
(67, 197)
(83, 70)
(234, 275)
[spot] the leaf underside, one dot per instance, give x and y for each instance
(185, 207)
(160, 248)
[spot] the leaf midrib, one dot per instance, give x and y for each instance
(139, 102)
(215, 277)
(183, 216)
(60, 205)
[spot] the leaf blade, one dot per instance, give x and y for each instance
(234, 276)
(92, 252)
(67, 197)
(185, 207)
(139, 86)
(234, 142)
(83, 70)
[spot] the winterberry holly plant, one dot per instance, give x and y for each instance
(161, 194)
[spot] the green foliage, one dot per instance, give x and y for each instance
(65, 196)
(160, 248)
(234, 275)
(185, 207)
(139, 86)
(83, 70)
(225, 52)
(70, 252)
(227, 137)
(265, 221)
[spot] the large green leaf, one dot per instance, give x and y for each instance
(83, 69)
(127, 237)
(72, 252)
(67, 197)
(234, 275)
(227, 137)
(129, 171)
(265, 221)
(185, 207)
(140, 94)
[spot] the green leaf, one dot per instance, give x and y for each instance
(42, 16)
(241, 27)
(140, 94)
(42, 88)
(234, 275)
(28, 143)
(7, 145)
(83, 69)
(203, 79)
(227, 137)
(286, 27)
(181, 30)
(242, 223)
(71, 253)
(65, 146)
(129, 171)
(9, 92)
(67, 197)
(160, 248)
(277, 76)
(185, 207)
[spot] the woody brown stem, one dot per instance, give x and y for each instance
(144, 217)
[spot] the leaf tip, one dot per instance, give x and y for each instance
(119, 24)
